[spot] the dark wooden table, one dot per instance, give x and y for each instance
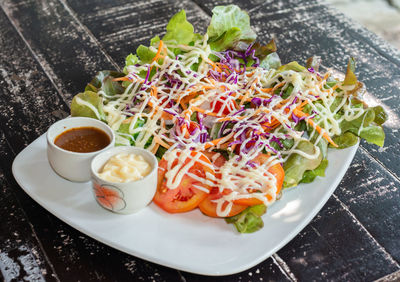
(50, 49)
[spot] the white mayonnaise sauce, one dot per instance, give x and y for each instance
(123, 168)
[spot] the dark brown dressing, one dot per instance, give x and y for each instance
(82, 139)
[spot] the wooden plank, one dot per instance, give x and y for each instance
(29, 102)
(335, 247)
(67, 53)
(21, 253)
(121, 26)
(354, 237)
(302, 30)
(373, 196)
(390, 277)
(69, 232)
(28, 105)
(268, 269)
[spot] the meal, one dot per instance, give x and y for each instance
(231, 126)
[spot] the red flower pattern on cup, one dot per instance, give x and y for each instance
(109, 197)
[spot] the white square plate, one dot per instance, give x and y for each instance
(191, 241)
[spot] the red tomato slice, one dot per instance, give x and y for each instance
(227, 104)
(185, 197)
(189, 130)
(276, 170)
(210, 208)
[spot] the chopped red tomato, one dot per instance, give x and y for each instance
(165, 115)
(186, 196)
(188, 130)
(225, 103)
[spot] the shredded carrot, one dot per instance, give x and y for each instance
(160, 46)
(302, 105)
(213, 142)
(250, 74)
(299, 113)
(213, 64)
(155, 148)
(266, 90)
(124, 78)
(183, 105)
(244, 97)
(161, 142)
(278, 85)
(153, 91)
(157, 56)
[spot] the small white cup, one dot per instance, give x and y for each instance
(74, 166)
(129, 197)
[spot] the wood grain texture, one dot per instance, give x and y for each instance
(51, 49)
(122, 26)
(268, 270)
(67, 53)
(372, 195)
(21, 254)
(343, 241)
(28, 105)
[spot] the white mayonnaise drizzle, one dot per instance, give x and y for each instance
(175, 81)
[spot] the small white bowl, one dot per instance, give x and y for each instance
(74, 166)
(129, 197)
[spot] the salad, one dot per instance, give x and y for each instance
(231, 126)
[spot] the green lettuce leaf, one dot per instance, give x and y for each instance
(354, 125)
(224, 42)
(314, 62)
(350, 78)
(296, 165)
(160, 152)
(380, 115)
(229, 26)
(87, 104)
(295, 66)
(105, 77)
(271, 61)
(145, 54)
(262, 51)
(249, 220)
(180, 30)
(111, 87)
(345, 140)
(130, 60)
(310, 175)
(373, 134)
(124, 128)
(365, 126)
(154, 40)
